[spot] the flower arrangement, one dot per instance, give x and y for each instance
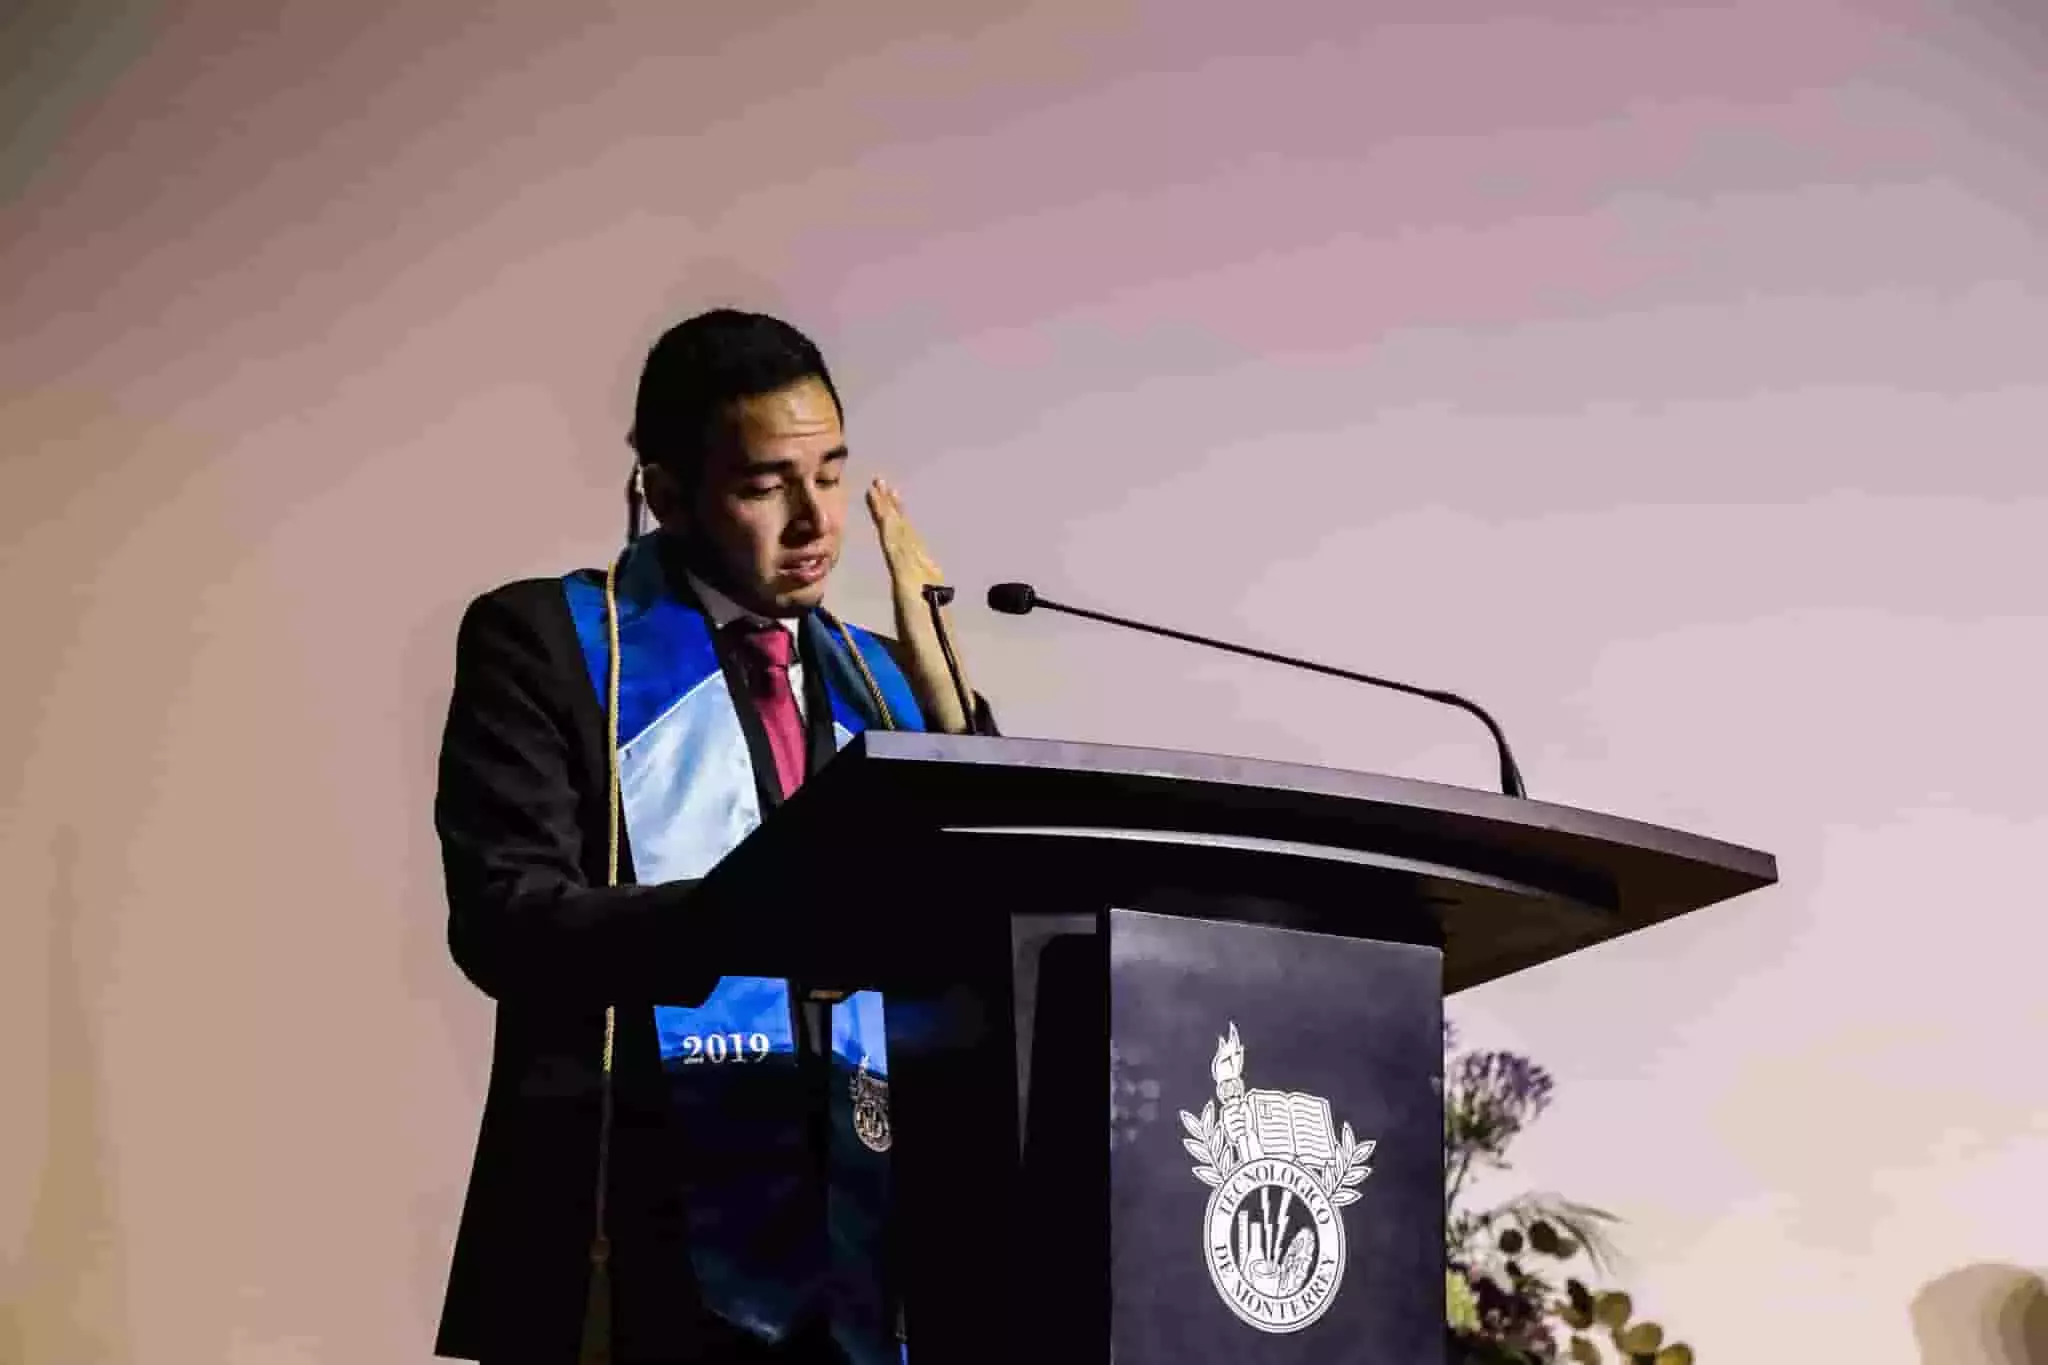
(1504, 1305)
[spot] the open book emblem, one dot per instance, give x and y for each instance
(1279, 1171)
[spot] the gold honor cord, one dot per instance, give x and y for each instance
(597, 1309)
(881, 706)
(596, 1348)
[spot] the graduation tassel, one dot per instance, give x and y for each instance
(596, 1346)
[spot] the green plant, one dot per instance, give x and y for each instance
(1504, 1302)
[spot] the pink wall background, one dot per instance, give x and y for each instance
(1672, 376)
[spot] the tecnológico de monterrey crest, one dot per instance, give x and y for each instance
(1279, 1171)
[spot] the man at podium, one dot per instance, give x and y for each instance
(675, 1164)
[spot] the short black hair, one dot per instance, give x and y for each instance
(701, 367)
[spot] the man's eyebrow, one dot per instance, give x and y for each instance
(755, 469)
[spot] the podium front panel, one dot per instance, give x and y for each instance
(1276, 1145)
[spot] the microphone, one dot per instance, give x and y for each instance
(1017, 599)
(937, 595)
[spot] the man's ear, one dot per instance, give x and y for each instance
(665, 496)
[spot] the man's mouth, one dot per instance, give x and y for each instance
(806, 570)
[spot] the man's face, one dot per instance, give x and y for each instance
(768, 513)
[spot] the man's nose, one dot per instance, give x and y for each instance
(806, 512)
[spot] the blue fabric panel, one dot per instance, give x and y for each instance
(665, 647)
(851, 705)
(745, 1020)
(857, 1032)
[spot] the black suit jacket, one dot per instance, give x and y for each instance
(521, 810)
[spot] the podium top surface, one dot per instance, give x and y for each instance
(1514, 882)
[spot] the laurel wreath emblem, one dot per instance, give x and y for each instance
(1210, 1145)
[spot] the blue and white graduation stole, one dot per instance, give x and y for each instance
(688, 794)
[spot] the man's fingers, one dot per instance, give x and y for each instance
(882, 500)
(901, 545)
(886, 505)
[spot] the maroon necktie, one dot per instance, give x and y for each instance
(765, 652)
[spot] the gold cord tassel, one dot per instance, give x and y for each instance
(596, 1347)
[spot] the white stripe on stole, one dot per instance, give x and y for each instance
(686, 783)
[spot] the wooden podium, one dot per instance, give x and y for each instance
(1165, 1073)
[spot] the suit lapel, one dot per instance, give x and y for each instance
(821, 740)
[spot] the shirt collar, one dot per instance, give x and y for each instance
(723, 611)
